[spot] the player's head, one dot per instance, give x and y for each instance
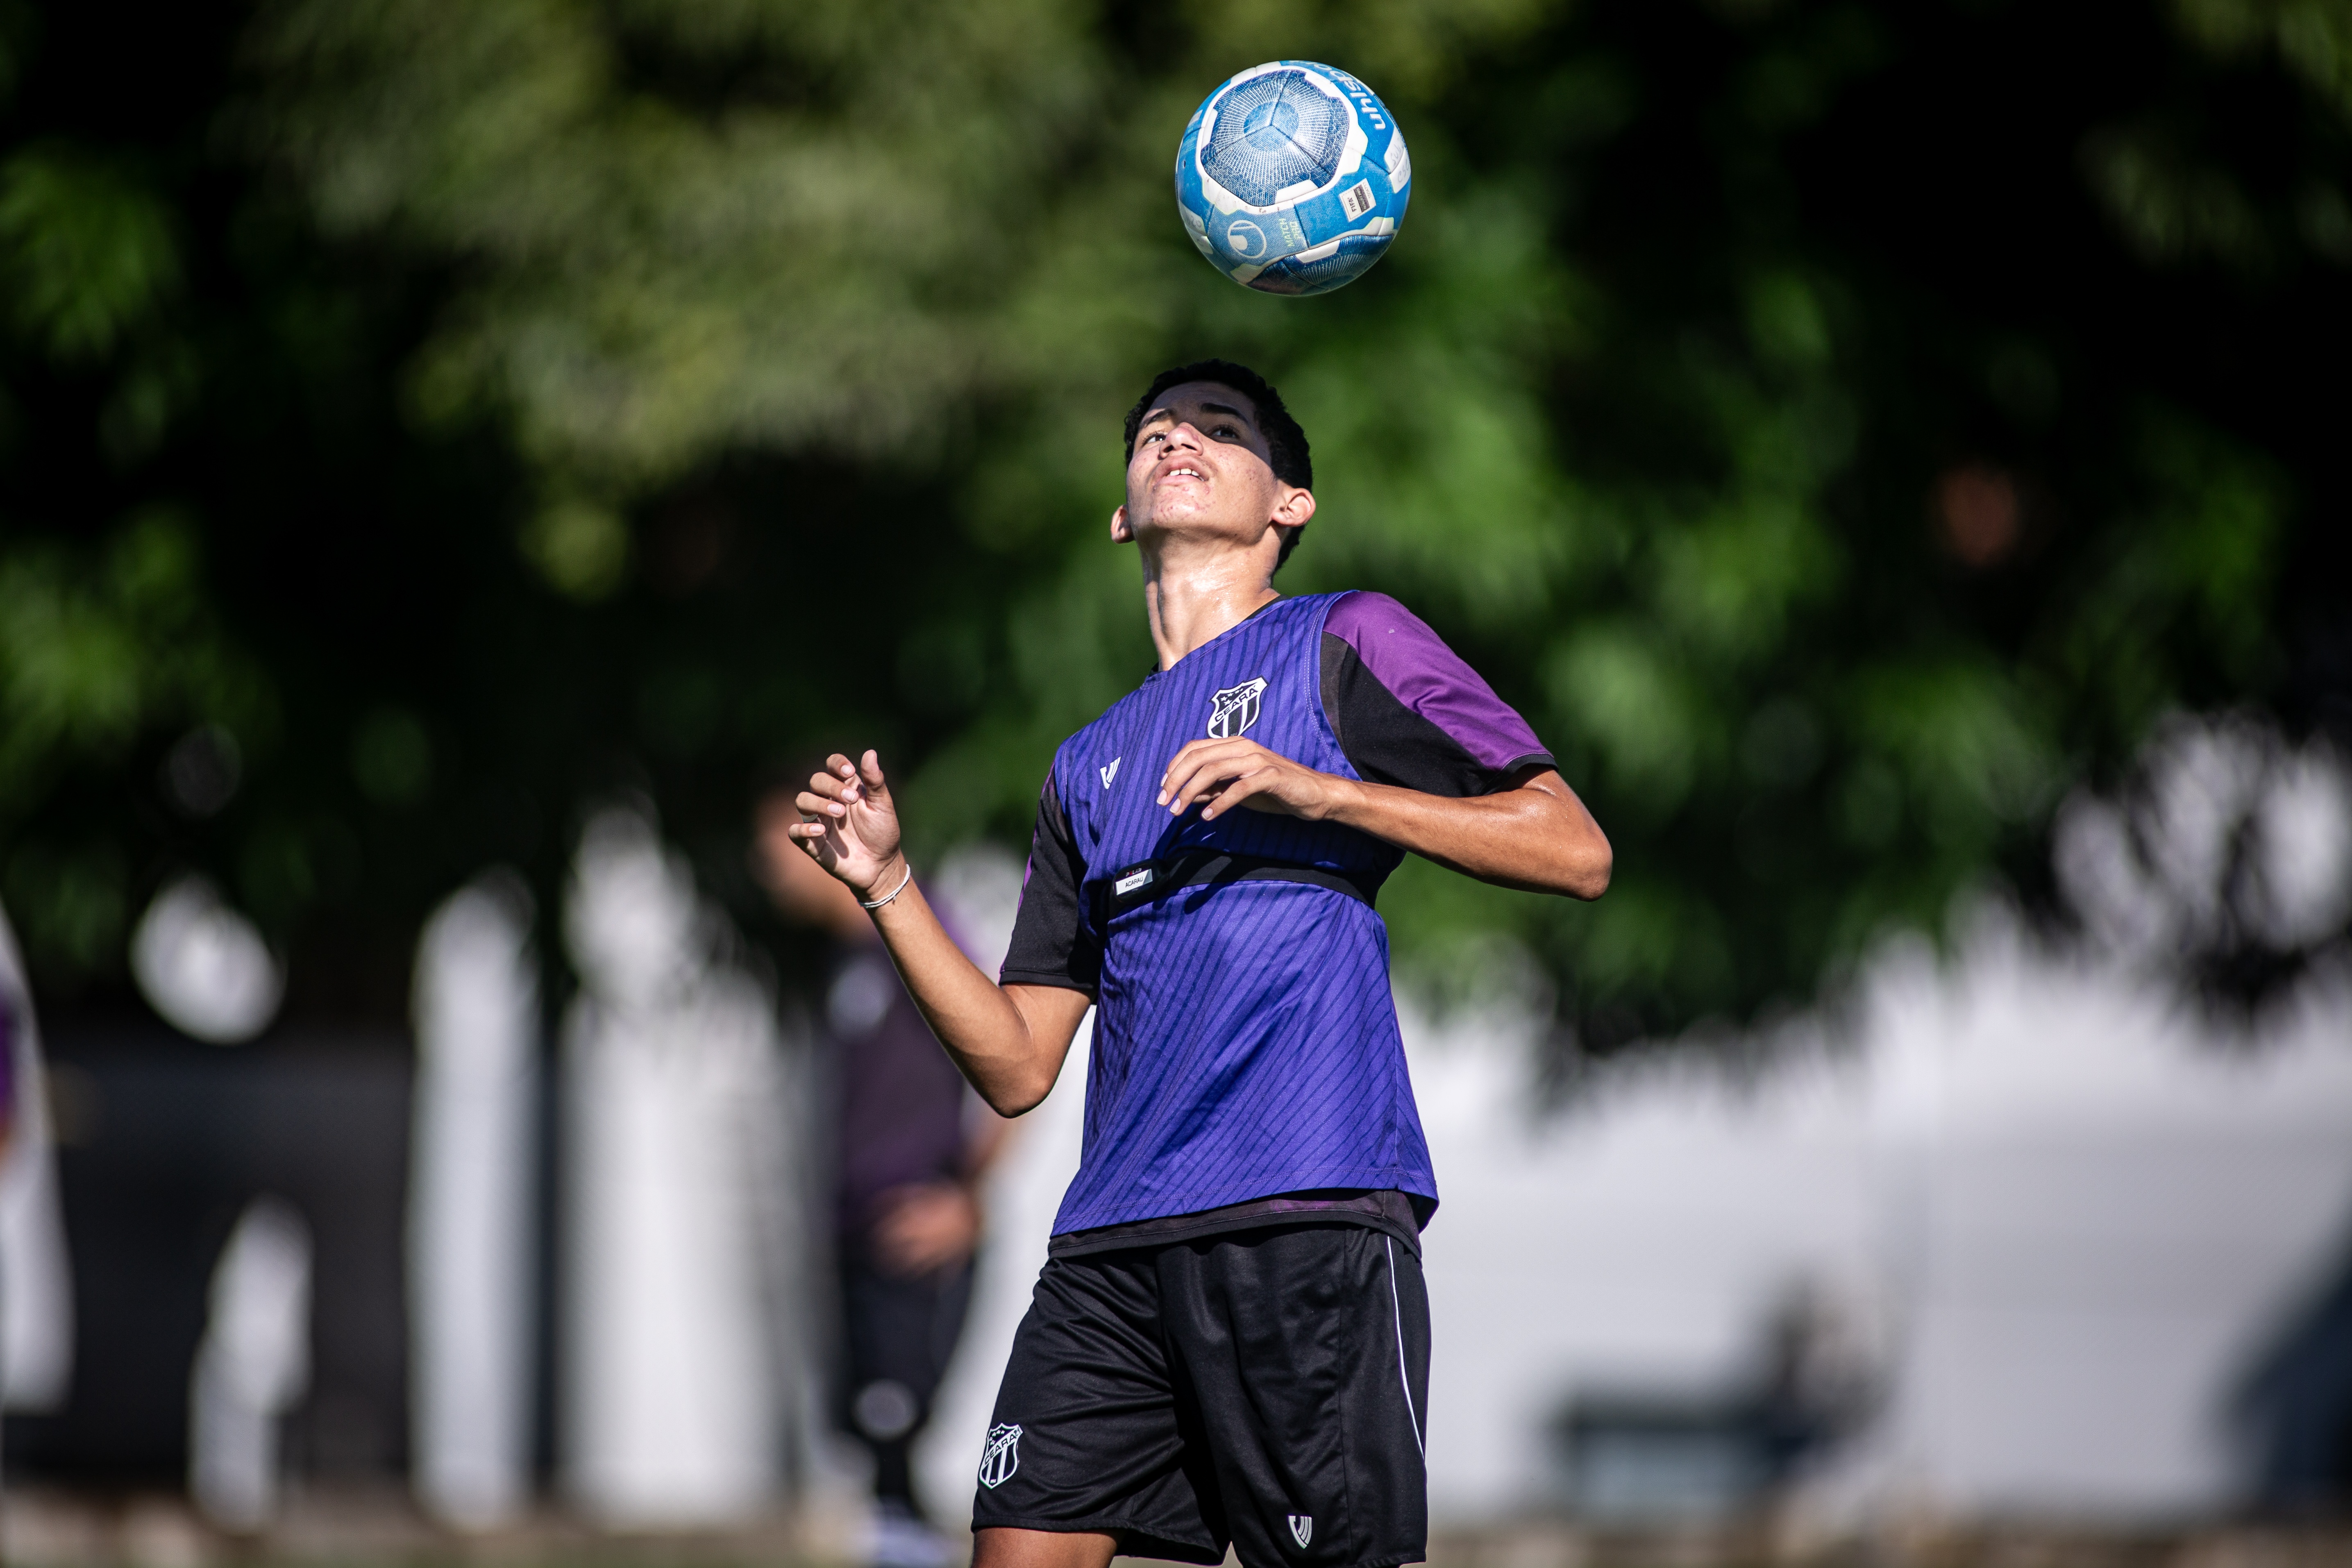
(1210, 446)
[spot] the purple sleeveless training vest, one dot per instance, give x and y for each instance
(1246, 1043)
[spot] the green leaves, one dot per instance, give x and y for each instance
(2172, 205)
(89, 265)
(1839, 430)
(90, 252)
(2313, 38)
(98, 651)
(815, 259)
(1639, 716)
(580, 547)
(392, 758)
(94, 651)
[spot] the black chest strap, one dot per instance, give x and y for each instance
(1145, 881)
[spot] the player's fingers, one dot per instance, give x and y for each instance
(1212, 775)
(1183, 753)
(1191, 749)
(1232, 759)
(1236, 792)
(842, 774)
(1183, 784)
(814, 805)
(870, 770)
(1230, 756)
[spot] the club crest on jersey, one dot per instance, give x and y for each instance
(1234, 710)
(1001, 1457)
(1302, 1528)
(1111, 771)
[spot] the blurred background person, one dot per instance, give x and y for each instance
(907, 1144)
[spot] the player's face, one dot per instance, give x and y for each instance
(1200, 462)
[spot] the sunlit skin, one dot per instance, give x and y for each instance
(1205, 511)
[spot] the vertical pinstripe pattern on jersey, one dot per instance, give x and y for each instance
(1257, 1072)
(1246, 1042)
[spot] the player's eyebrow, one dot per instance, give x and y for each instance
(1168, 416)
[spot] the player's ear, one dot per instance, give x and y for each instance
(1121, 531)
(1294, 509)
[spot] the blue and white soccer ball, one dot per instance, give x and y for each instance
(1292, 178)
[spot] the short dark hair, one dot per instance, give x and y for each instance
(1285, 443)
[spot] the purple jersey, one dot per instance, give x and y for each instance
(1246, 1043)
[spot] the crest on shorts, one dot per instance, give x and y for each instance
(1001, 1456)
(1234, 708)
(1302, 1528)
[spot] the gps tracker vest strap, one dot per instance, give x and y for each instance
(1146, 880)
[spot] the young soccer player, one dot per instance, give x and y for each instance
(1229, 1341)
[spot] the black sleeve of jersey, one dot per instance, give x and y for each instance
(1051, 942)
(1387, 743)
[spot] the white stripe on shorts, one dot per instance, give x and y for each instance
(1403, 1378)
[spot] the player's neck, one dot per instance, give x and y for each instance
(1193, 595)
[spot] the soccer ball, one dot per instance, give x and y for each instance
(1292, 178)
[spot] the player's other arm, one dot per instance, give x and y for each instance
(1440, 765)
(1536, 836)
(1008, 1040)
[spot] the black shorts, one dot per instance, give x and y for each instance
(1266, 1388)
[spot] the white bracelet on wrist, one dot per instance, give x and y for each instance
(891, 894)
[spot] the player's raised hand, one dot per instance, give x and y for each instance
(849, 823)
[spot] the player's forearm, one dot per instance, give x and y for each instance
(1538, 837)
(1010, 1061)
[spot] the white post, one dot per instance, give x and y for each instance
(673, 1112)
(252, 1366)
(470, 1238)
(36, 1285)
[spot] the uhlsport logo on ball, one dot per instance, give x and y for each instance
(1292, 178)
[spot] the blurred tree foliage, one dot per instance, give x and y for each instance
(1843, 429)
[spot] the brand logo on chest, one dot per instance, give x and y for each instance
(1234, 710)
